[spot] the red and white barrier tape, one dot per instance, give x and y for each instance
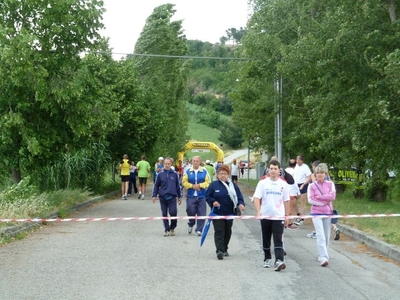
(196, 218)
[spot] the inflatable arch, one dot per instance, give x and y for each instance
(202, 145)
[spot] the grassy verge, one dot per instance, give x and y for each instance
(385, 228)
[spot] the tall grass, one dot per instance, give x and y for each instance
(23, 200)
(83, 169)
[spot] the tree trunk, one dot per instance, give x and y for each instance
(16, 175)
(392, 10)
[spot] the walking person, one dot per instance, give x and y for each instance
(168, 190)
(294, 193)
(143, 168)
(132, 179)
(224, 197)
(124, 167)
(335, 229)
(210, 169)
(302, 176)
(158, 167)
(320, 195)
(196, 180)
(234, 171)
(274, 192)
(242, 166)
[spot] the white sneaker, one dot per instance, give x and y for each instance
(312, 235)
(198, 233)
(267, 263)
(279, 265)
(190, 229)
(142, 197)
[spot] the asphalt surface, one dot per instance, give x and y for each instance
(132, 260)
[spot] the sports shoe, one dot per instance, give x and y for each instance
(220, 255)
(297, 222)
(190, 229)
(198, 233)
(292, 226)
(301, 221)
(129, 195)
(172, 232)
(312, 235)
(267, 263)
(337, 234)
(142, 197)
(279, 265)
(166, 233)
(226, 253)
(324, 263)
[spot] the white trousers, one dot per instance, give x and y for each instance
(323, 230)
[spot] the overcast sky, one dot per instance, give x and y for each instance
(205, 20)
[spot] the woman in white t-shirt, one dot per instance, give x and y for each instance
(302, 176)
(234, 171)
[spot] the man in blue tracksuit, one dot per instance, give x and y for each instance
(167, 188)
(196, 180)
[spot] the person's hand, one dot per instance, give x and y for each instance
(242, 207)
(154, 199)
(216, 204)
(258, 214)
(179, 201)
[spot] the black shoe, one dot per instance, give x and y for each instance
(220, 255)
(226, 253)
(337, 234)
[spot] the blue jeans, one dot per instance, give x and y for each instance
(132, 182)
(171, 208)
(196, 207)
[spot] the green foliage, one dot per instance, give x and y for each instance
(82, 168)
(41, 99)
(376, 189)
(202, 133)
(165, 78)
(231, 135)
(24, 190)
(339, 64)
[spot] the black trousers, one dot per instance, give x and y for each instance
(222, 234)
(272, 228)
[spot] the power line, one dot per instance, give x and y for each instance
(173, 56)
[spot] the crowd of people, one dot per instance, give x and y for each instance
(276, 196)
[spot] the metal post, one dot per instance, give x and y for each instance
(278, 120)
(248, 162)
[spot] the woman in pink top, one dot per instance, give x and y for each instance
(320, 195)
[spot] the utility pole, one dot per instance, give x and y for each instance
(278, 119)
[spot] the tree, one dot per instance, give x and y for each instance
(41, 46)
(165, 78)
(337, 61)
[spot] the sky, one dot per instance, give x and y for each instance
(205, 20)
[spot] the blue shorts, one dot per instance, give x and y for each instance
(304, 189)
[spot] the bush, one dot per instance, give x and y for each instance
(376, 189)
(394, 189)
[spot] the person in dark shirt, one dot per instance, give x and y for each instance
(224, 197)
(167, 188)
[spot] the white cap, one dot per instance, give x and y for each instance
(161, 158)
(207, 161)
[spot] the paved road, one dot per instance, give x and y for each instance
(132, 260)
